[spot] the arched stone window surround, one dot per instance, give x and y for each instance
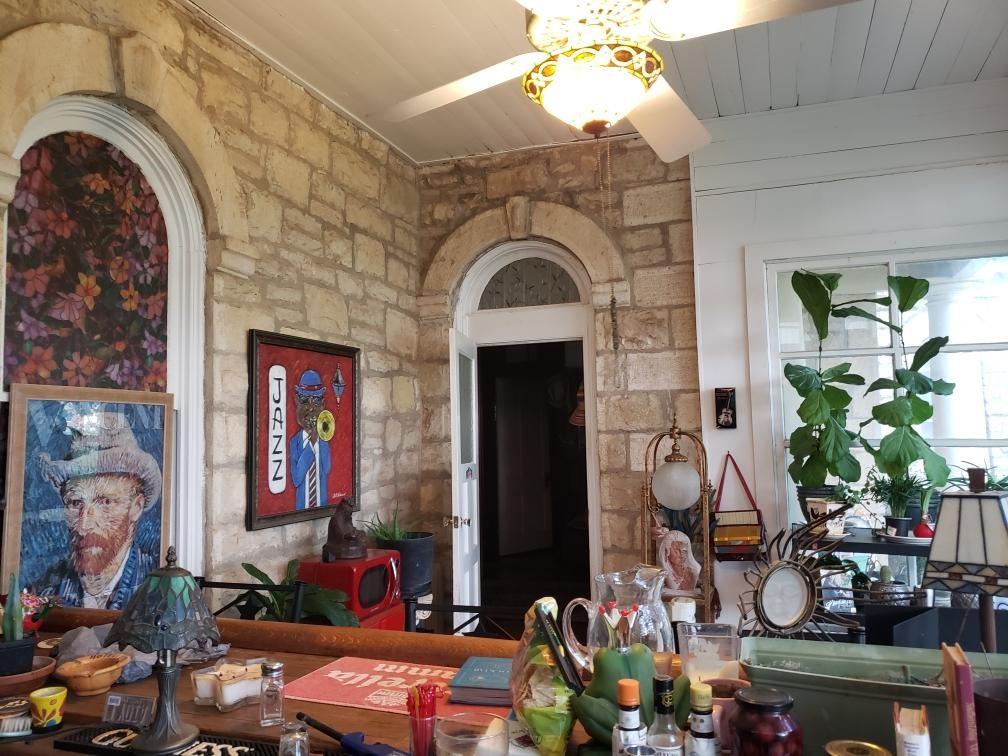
(186, 276)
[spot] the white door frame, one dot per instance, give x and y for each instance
(545, 323)
(186, 277)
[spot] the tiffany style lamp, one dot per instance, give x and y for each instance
(165, 614)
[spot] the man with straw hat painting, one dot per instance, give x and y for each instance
(106, 483)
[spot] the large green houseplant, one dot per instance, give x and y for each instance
(821, 447)
(16, 649)
(276, 605)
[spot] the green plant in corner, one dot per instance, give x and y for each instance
(13, 617)
(821, 446)
(897, 491)
(386, 530)
(318, 601)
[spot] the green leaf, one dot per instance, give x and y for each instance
(258, 574)
(830, 374)
(836, 397)
(815, 298)
(851, 379)
(815, 409)
(914, 382)
(834, 441)
(804, 379)
(895, 413)
(813, 471)
(319, 604)
(846, 468)
(942, 388)
(935, 467)
(928, 351)
(292, 571)
(881, 383)
(802, 442)
(829, 280)
(876, 300)
(897, 451)
(921, 410)
(794, 470)
(908, 290)
(857, 312)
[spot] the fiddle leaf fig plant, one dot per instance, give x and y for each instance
(822, 445)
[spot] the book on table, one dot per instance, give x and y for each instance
(482, 680)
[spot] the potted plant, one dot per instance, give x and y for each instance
(276, 605)
(898, 493)
(17, 650)
(416, 551)
(903, 446)
(821, 446)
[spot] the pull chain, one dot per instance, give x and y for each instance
(605, 197)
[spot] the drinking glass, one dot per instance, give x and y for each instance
(708, 650)
(294, 739)
(471, 734)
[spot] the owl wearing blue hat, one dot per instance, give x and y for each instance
(309, 454)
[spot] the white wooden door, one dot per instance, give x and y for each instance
(465, 474)
(524, 509)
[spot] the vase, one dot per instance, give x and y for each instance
(16, 656)
(416, 556)
(898, 526)
(813, 492)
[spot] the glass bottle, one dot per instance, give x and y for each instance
(294, 739)
(663, 735)
(763, 723)
(701, 739)
(271, 703)
(629, 730)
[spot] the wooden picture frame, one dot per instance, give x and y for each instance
(88, 471)
(297, 386)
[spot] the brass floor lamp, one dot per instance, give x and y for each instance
(677, 484)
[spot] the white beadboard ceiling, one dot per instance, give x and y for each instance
(364, 55)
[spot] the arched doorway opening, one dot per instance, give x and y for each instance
(186, 282)
(525, 470)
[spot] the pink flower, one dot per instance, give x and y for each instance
(70, 307)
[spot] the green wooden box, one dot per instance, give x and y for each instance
(845, 691)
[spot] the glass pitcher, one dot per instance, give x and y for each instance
(627, 609)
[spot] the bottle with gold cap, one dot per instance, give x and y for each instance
(629, 730)
(701, 739)
(663, 735)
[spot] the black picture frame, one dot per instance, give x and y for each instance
(265, 507)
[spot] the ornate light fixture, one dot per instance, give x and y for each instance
(593, 87)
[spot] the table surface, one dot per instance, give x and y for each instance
(243, 722)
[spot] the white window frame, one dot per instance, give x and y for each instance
(764, 261)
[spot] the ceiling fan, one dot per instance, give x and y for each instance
(592, 65)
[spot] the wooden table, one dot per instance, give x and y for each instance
(303, 649)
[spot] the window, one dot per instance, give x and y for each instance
(965, 302)
(528, 282)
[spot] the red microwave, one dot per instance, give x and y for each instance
(371, 582)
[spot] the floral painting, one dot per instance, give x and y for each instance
(87, 270)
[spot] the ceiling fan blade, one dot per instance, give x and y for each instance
(550, 8)
(670, 127)
(462, 88)
(677, 19)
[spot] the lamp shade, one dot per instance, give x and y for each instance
(969, 551)
(166, 613)
(676, 485)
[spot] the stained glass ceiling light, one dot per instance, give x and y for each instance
(165, 615)
(591, 88)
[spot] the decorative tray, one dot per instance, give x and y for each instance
(910, 540)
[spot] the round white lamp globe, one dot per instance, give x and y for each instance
(676, 485)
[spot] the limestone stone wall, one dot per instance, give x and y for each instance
(653, 375)
(312, 230)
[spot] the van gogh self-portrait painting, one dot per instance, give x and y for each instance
(88, 491)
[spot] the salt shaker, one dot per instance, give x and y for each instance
(271, 703)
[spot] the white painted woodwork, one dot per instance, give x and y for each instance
(785, 47)
(363, 56)
(883, 40)
(917, 168)
(919, 31)
(186, 275)
(817, 32)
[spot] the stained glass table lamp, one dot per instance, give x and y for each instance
(165, 615)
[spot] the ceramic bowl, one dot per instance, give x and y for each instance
(92, 675)
(42, 667)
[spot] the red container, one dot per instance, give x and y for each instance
(371, 583)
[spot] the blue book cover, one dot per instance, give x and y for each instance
(484, 673)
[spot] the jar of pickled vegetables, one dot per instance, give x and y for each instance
(763, 725)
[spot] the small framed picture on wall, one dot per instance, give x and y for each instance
(303, 429)
(724, 408)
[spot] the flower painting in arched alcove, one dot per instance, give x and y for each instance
(87, 270)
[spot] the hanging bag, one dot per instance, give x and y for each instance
(739, 536)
